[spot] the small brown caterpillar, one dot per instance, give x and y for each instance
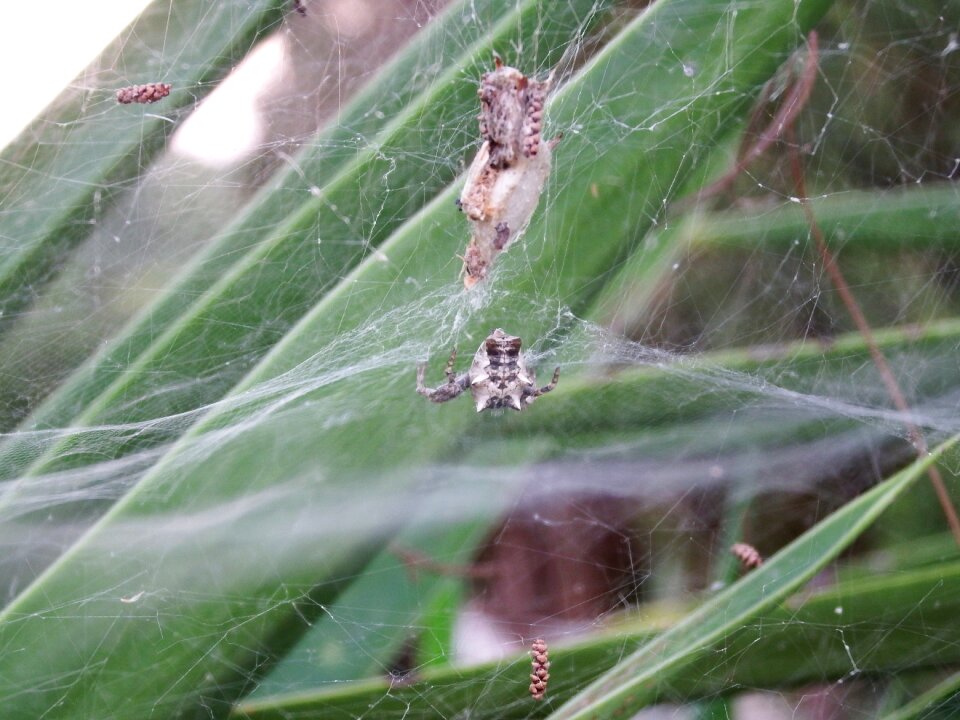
(143, 94)
(748, 555)
(539, 674)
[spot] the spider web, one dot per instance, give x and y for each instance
(256, 502)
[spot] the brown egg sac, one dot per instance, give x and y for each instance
(539, 673)
(143, 94)
(748, 555)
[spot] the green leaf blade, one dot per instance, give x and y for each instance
(635, 681)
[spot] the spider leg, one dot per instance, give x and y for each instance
(531, 393)
(549, 386)
(449, 390)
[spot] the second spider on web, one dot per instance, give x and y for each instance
(507, 176)
(498, 377)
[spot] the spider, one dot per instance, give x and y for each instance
(511, 118)
(507, 175)
(498, 378)
(511, 113)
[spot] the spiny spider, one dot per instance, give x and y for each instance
(498, 378)
(506, 178)
(511, 113)
(511, 116)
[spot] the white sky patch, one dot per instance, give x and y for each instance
(44, 46)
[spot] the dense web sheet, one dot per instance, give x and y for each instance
(221, 484)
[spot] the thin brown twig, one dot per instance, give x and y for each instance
(853, 307)
(794, 102)
(416, 561)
